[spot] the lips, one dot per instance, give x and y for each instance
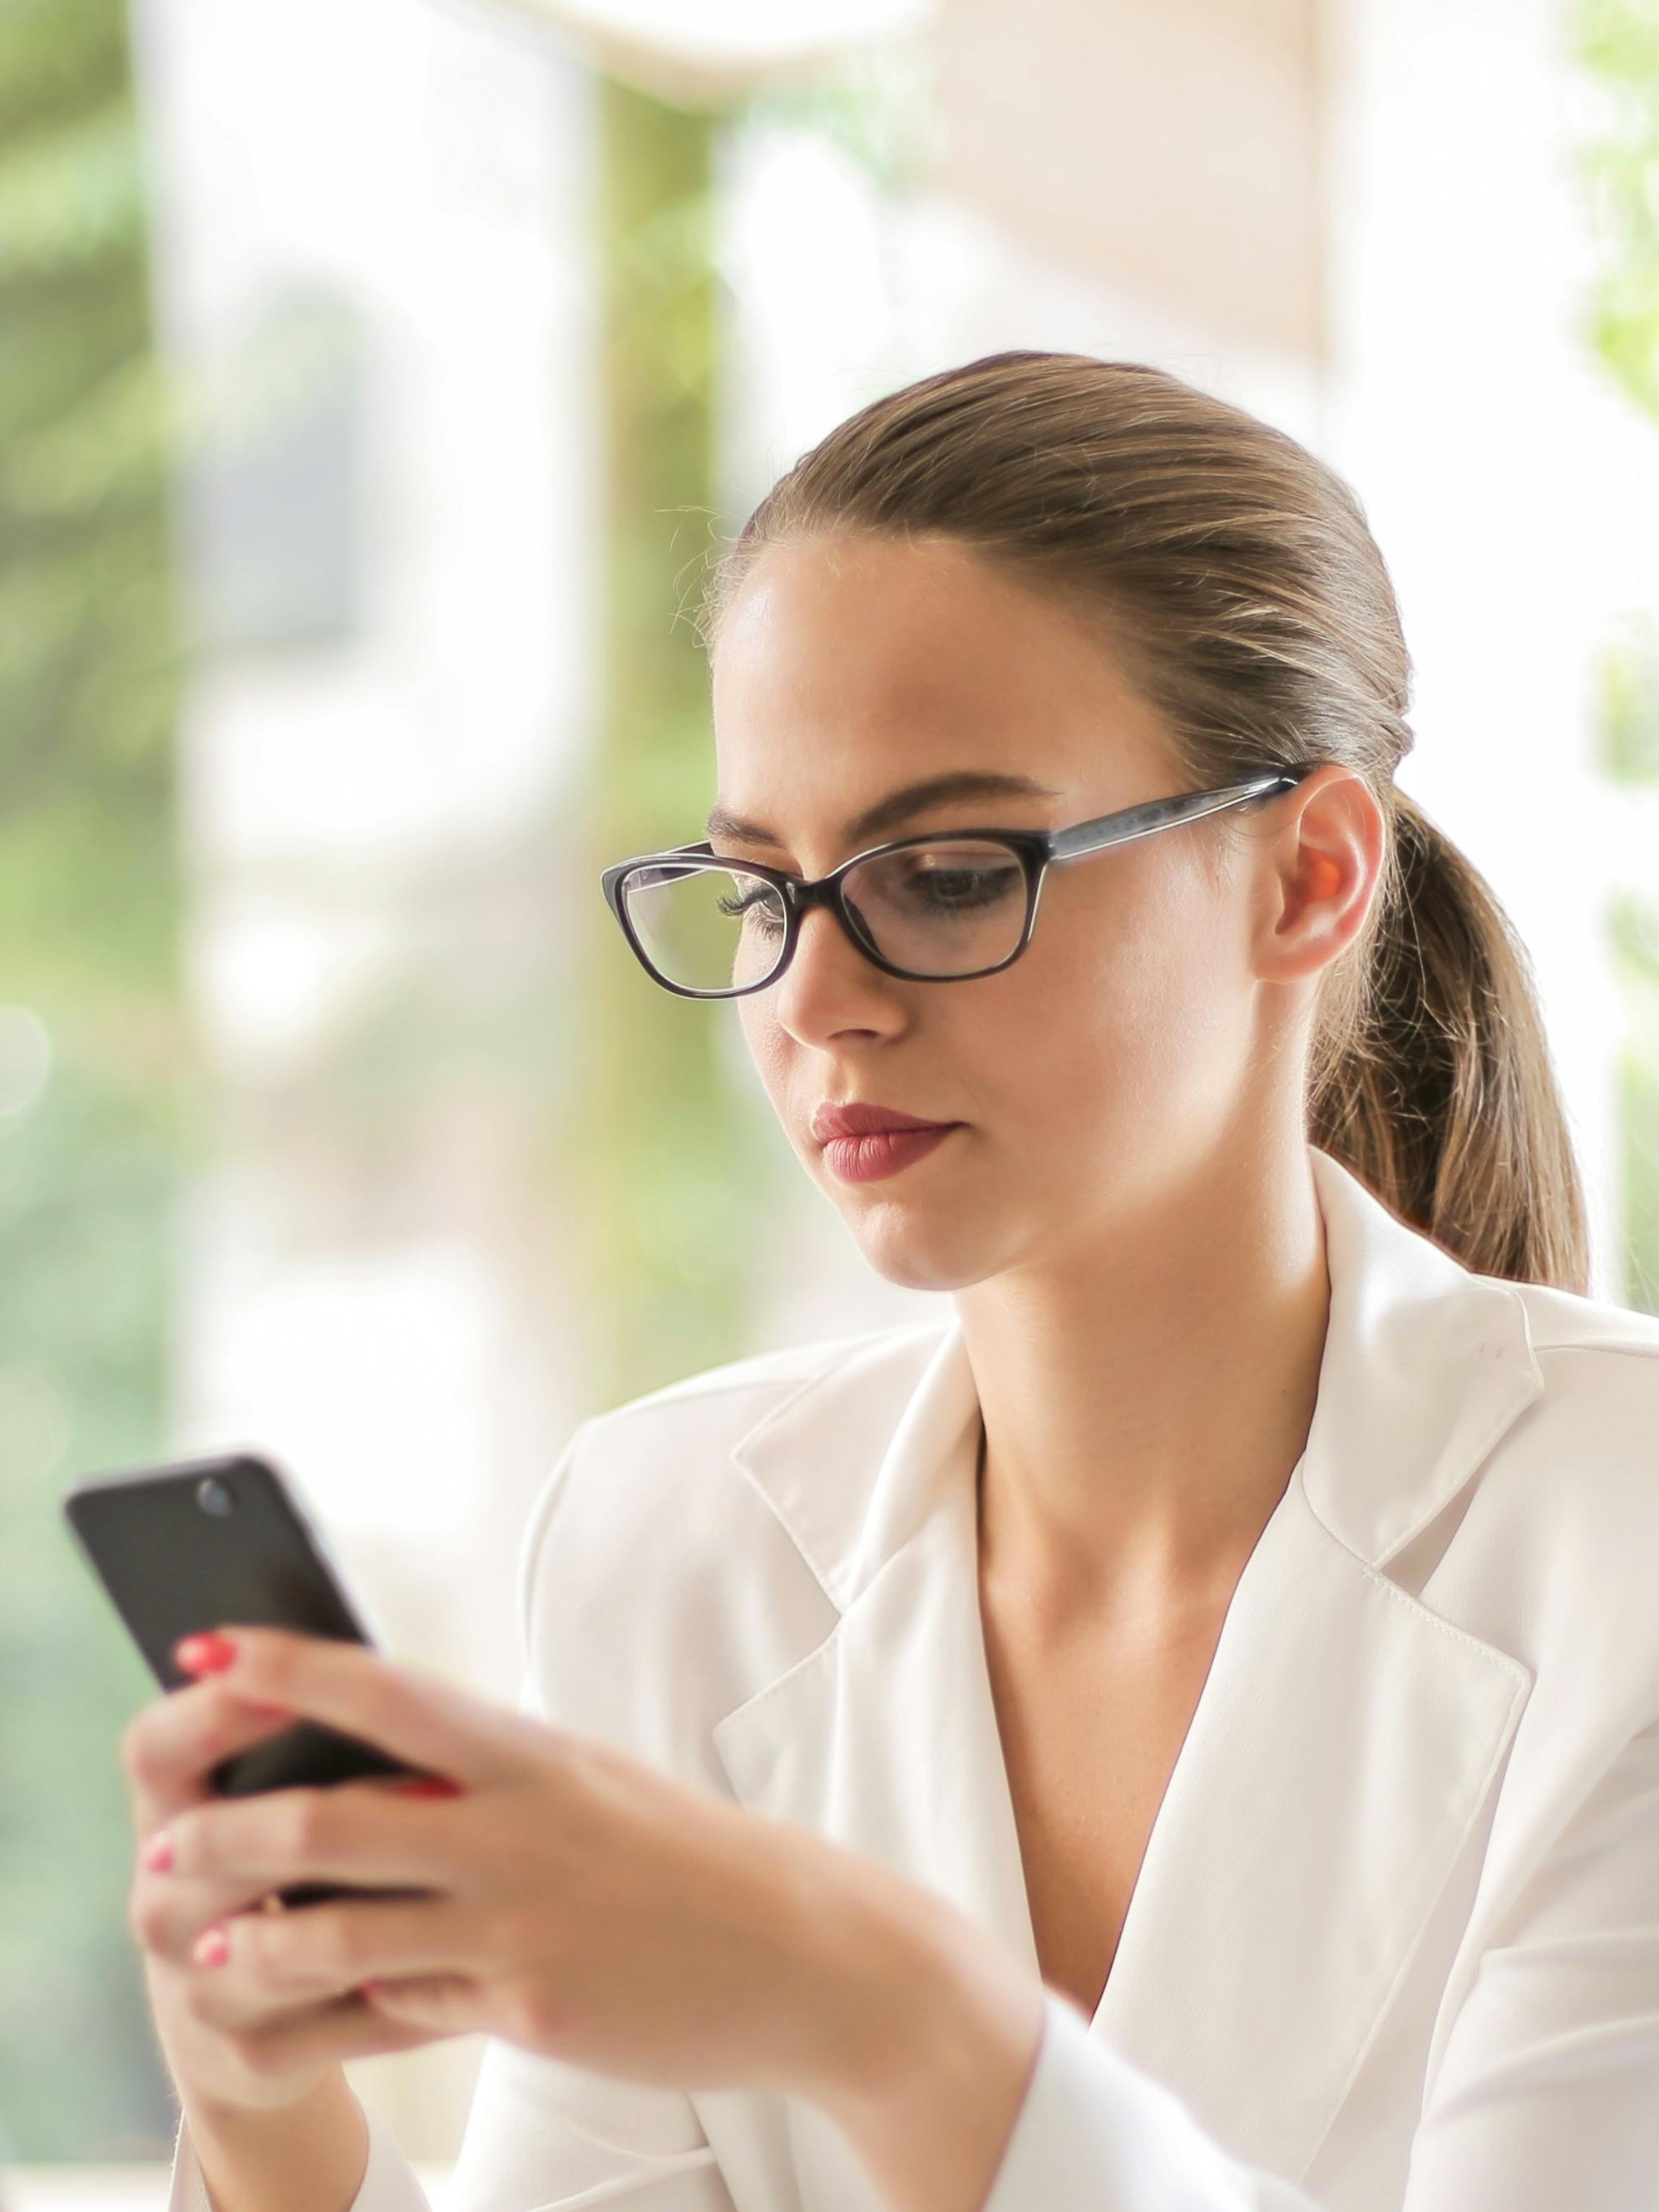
(857, 1120)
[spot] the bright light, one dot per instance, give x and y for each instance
(735, 38)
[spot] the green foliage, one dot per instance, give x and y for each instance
(652, 1133)
(661, 1125)
(86, 1185)
(1629, 705)
(1636, 938)
(1618, 41)
(91, 1167)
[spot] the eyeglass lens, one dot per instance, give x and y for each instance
(950, 908)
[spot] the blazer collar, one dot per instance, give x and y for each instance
(1342, 1754)
(1426, 1365)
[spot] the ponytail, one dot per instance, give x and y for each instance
(1435, 1085)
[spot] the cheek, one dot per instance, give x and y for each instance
(1120, 1013)
(768, 1048)
(1117, 1015)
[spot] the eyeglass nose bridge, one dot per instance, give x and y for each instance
(827, 892)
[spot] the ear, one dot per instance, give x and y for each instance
(1320, 866)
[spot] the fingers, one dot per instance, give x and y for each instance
(441, 2004)
(165, 1916)
(426, 1722)
(324, 1950)
(341, 2028)
(357, 1833)
(171, 1745)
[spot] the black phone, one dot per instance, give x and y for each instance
(197, 1543)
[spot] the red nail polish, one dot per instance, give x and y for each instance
(208, 1653)
(211, 1947)
(429, 1786)
(157, 1854)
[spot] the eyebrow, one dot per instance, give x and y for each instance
(897, 807)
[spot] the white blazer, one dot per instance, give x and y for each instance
(1395, 1942)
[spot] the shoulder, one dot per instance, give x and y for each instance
(1563, 1321)
(657, 1589)
(1600, 1365)
(1586, 1451)
(653, 1446)
(668, 1451)
(761, 1373)
(1552, 1553)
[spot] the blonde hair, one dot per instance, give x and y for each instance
(1239, 586)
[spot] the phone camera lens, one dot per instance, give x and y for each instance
(215, 1497)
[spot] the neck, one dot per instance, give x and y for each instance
(1146, 1398)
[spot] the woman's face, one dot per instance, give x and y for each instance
(1109, 1063)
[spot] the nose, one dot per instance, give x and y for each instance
(830, 988)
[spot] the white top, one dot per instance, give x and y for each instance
(1395, 1942)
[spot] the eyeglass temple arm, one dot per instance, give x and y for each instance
(1158, 814)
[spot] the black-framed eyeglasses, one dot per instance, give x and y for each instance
(930, 908)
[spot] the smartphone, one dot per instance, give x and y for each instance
(197, 1543)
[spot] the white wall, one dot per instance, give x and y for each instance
(1511, 491)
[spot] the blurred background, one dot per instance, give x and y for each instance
(374, 381)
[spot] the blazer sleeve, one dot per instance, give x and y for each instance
(1546, 2093)
(541, 2135)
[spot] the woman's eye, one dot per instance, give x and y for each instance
(759, 901)
(962, 887)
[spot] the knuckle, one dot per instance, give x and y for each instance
(220, 1726)
(384, 1707)
(204, 1999)
(252, 2049)
(305, 1945)
(193, 1840)
(341, 1942)
(158, 1926)
(535, 2016)
(256, 1942)
(147, 1917)
(271, 1656)
(307, 1824)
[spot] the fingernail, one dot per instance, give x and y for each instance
(208, 1653)
(157, 1854)
(268, 1712)
(211, 1947)
(429, 1786)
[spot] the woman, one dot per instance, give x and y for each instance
(1183, 1732)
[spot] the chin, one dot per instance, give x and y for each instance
(901, 1252)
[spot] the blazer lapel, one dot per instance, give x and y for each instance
(1342, 1751)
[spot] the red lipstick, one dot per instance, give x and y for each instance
(863, 1143)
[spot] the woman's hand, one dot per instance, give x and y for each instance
(227, 2048)
(568, 1899)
